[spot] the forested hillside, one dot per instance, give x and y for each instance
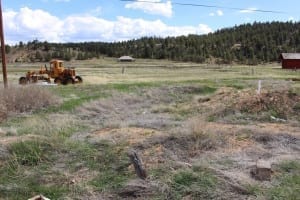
(248, 44)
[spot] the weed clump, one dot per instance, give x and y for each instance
(196, 183)
(15, 100)
(204, 138)
(30, 153)
(242, 106)
(279, 104)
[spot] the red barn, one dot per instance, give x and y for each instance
(290, 60)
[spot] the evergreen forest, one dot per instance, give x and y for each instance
(244, 44)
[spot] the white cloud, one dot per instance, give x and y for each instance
(28, 24)
(217, 13)
(292, 19)
(248, 10)
(86, 28)
(157, 7)
(125, 28)
(204, 29)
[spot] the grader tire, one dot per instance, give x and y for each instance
(79, 79)
(68, 81)
(22, 81)
(58, 81)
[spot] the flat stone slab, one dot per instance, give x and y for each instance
(262, 170)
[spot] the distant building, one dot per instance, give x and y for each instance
(290, 60)
(126, 59)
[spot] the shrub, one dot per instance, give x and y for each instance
(204, 138)
(24, 99)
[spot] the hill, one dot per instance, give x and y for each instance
(245, 44)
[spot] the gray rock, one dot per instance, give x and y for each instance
(262, 170)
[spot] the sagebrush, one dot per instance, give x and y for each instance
(14, 100)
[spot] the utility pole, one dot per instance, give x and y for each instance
(3, 48)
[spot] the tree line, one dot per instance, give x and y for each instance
(244, 44)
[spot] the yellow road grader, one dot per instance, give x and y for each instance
(57, 71)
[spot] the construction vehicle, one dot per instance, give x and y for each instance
(57, 71)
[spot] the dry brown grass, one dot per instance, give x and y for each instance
(24, 99)
(204, 137)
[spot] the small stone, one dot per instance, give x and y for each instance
(262, 170)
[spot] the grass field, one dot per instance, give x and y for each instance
(197, 128)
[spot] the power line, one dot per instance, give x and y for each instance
(210, 6)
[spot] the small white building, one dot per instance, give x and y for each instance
(126, 59)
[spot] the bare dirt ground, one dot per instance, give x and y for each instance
(242, 131)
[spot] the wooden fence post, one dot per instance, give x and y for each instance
(137, 163)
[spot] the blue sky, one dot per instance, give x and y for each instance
(115, 20)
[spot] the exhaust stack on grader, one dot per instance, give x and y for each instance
(57, 71)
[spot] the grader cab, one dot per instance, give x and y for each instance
(57, 71)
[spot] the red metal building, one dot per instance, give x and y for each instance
(290, 60)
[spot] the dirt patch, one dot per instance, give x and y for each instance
(231, 149)
(246, 144)
(123, 110)
(137, 189)
(244, 106)
(178, 146)
(137, 110)
(167, 148)
(127, 135)
(6, 141)
(282, 104)
(241, 147)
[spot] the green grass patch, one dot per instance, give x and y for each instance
(27, 172)
(82, 153)
(287, 183)
(202, 89)
(287, 188)
(113, 165)
(237, 83)
(199, 183)
(31, 152)
(110, 180)
(182, 98)
(129, 87)
(255, 190)
(21, 186)
(290, 166)
(42, 124)
(75, 95)
(160, 173)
